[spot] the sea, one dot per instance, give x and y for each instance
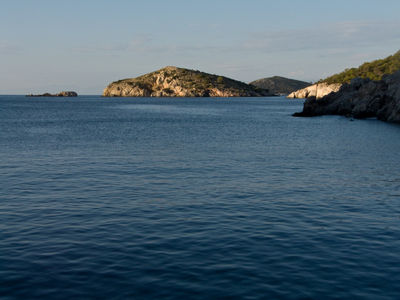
(195, 198)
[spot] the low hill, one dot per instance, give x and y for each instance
(373, 70)
(180, 82)
(280, 85)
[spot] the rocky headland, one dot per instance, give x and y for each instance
(361, 98)
(179, 82)
(374, 70)
(280, 85)
(60, 94)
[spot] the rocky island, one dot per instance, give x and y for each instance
(60, 94)
(179, 82)
(280, 85)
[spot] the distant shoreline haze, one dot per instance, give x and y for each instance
(196, 83)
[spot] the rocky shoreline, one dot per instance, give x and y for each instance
(361, 98)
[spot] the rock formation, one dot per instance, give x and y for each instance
(60, 94)
(280, 85)
(179, 82)
(362, 98)
(317, 90)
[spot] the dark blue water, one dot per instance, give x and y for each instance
(195, 199)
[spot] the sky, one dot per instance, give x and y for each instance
(82, 45)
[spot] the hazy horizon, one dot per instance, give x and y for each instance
(48, 46)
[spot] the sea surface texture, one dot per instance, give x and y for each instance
(190, 198)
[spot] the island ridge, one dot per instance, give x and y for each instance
(179, 82)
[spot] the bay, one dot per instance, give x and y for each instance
(187, 198)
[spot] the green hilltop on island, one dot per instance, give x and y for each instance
(179, 82)
(374, 70)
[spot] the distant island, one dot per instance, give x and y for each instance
(280, 85)
(374, 70)
(179, 82)
(60, 94)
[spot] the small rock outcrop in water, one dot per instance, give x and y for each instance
(179, 82)
(60, 94)
(317, 90)
(362, 98)
(280, 85)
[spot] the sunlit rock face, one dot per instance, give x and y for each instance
(318, 90)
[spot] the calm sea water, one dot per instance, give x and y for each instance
(195, 199)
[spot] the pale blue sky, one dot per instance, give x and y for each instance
(51, 45)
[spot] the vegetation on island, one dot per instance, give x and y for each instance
(373, 70)
(190, 79)
(280, 85)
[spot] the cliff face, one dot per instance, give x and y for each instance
(179, 82)
(280, 85)
(362, 98)
(317, 90)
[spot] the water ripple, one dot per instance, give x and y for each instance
(194, 198)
